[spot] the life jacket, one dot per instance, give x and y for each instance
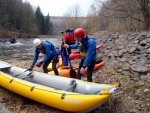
(14, 37)
(83, 48)
(69, 39)
(43, 51)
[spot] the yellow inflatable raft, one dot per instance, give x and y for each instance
(63, 93)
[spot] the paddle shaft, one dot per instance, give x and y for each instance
(67, 51)
(68, 55)
(72, 71)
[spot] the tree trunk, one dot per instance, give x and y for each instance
(146, 23)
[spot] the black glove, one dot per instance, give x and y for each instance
(31, 68)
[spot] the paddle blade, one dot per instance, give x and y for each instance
(72, 73)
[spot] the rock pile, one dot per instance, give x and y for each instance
(128, 54)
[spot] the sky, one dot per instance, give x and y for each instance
(60, 7)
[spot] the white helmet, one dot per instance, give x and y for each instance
(37, 42)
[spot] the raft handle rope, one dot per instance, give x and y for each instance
(31, 74)
(21, 73)
(72, 84)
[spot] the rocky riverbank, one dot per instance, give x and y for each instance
(127, 60)
(129, 53)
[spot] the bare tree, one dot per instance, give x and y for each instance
(145, 9)
(73, 17)
(132, 14)
(92, 19)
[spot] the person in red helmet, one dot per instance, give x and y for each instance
(87, 51)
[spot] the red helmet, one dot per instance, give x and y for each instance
(79, 32)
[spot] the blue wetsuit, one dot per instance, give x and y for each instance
(50, 54)
(89, 59)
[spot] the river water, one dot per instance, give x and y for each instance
(23, 45)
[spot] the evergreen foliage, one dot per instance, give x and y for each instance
(20, 17)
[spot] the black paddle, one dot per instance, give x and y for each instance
(72, 71)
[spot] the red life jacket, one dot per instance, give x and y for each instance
(69, 39)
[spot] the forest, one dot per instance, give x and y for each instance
(110, 15)
(21, 19)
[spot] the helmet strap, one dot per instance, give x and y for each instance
(82, 36)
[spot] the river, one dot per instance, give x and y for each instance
(23, 45)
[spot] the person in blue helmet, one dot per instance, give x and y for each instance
(87, 50)
(50, 52)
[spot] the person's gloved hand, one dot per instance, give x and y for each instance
(82, 70)
(39, 64)
(66, 46)
(31, 68)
